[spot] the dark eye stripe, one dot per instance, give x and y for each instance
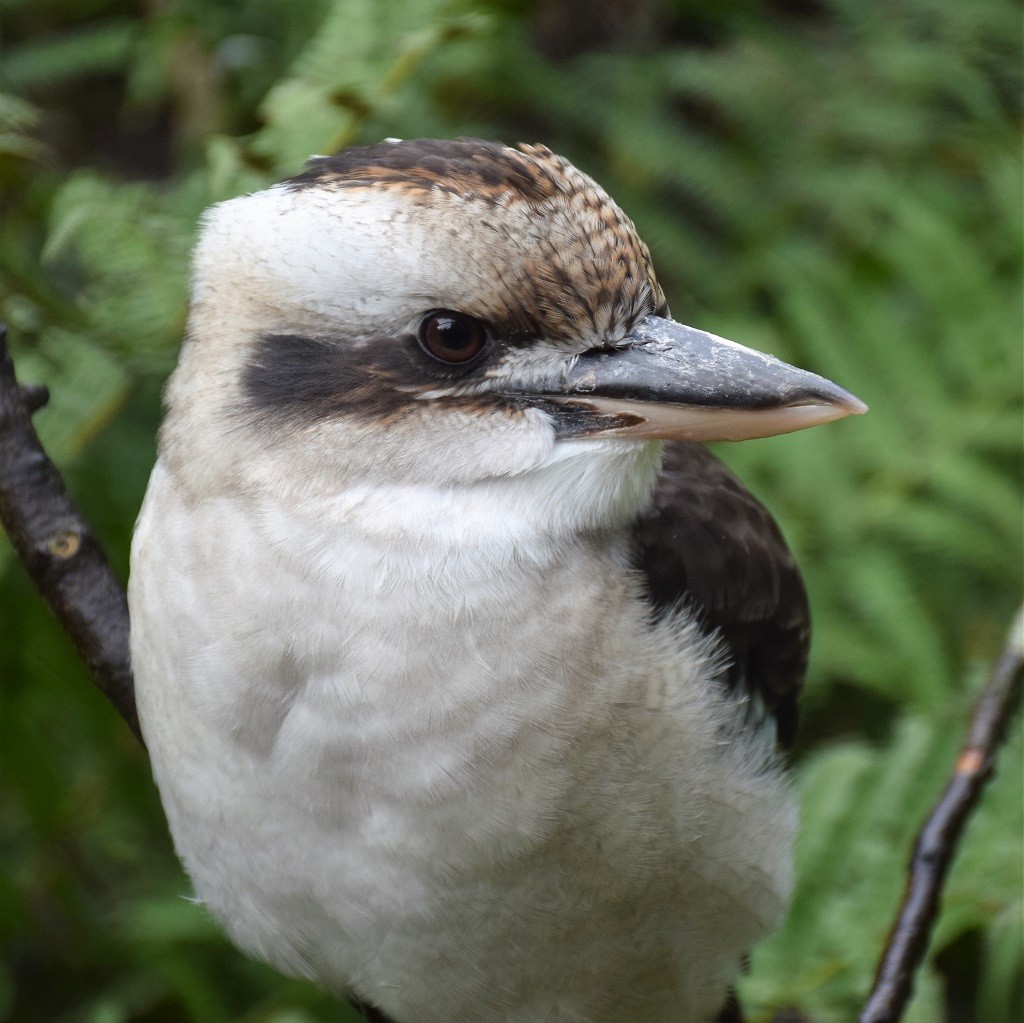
(311, 379)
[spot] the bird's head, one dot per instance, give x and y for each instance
(451, 311)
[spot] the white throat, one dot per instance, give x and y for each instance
(580, 487)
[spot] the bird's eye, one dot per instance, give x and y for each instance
(452, 337)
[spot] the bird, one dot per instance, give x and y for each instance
(465, 669)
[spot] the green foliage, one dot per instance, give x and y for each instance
(356, 65)
(861, 807)
(838, 183)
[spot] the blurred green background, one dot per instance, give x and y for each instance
(834, 181)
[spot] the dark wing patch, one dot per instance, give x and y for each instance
(369, 1012)
(707, 541)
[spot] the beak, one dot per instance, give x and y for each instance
(672, 382)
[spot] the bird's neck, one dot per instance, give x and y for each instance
(583, 488)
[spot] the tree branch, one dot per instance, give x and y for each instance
(938, 838)
(61, 555)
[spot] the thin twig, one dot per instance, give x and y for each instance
(61, 555)
(938, 838)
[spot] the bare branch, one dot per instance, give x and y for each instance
(61, 555)
(938, 838)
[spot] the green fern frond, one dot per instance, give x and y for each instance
(861, 808)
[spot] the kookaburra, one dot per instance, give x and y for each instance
(463, 687)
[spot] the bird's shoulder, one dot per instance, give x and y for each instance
(705, 541)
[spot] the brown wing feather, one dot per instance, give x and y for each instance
(368, 1012)
(707, 541)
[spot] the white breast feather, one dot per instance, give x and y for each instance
(370, 784)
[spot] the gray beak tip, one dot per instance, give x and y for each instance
(854, 405)
(830, 394)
